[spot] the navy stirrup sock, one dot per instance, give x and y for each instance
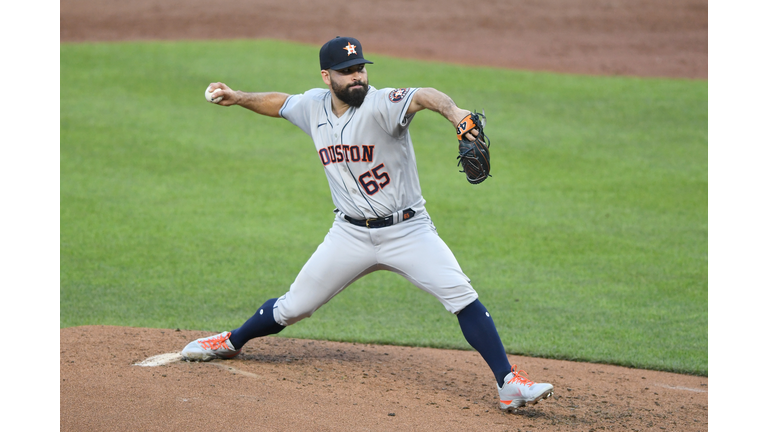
(480, 331)
(262, 323)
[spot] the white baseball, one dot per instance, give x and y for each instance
(209, 95)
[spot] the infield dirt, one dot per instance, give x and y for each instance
(280, 384)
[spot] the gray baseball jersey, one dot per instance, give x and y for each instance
(358, 149)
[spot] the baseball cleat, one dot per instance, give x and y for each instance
(518, 391)
(209, 348)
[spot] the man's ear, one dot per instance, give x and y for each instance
(326, 77)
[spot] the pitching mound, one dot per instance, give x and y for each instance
(130, 379)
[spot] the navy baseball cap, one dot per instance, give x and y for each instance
(340, 53)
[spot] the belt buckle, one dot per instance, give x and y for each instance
(366, 222)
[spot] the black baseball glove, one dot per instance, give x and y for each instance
(474, 156)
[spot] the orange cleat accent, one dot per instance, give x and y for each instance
(519, 390)
(209, 348)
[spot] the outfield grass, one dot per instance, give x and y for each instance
(589, 242)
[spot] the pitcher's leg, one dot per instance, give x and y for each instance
(262, 323)
(414, 250)
(430, 265)
(480, 331)
(345, 255)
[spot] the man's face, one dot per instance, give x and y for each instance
(350, 85)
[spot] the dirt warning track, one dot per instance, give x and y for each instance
(607, 37)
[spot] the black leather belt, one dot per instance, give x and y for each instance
(381, 222)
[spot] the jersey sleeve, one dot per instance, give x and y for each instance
(297, 109)
(391, 107)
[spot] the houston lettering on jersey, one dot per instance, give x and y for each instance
(346, 153)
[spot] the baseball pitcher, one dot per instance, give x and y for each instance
(361, 137)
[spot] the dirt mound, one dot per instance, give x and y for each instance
(280, 384)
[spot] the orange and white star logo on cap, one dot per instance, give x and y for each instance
(350, 49)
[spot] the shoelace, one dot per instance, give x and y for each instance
(519, 379)
(215, 342)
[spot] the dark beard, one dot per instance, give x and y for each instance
(353, 98)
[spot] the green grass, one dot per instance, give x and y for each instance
(589, 242)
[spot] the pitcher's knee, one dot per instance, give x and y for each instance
(457, 301)
(290, 312)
